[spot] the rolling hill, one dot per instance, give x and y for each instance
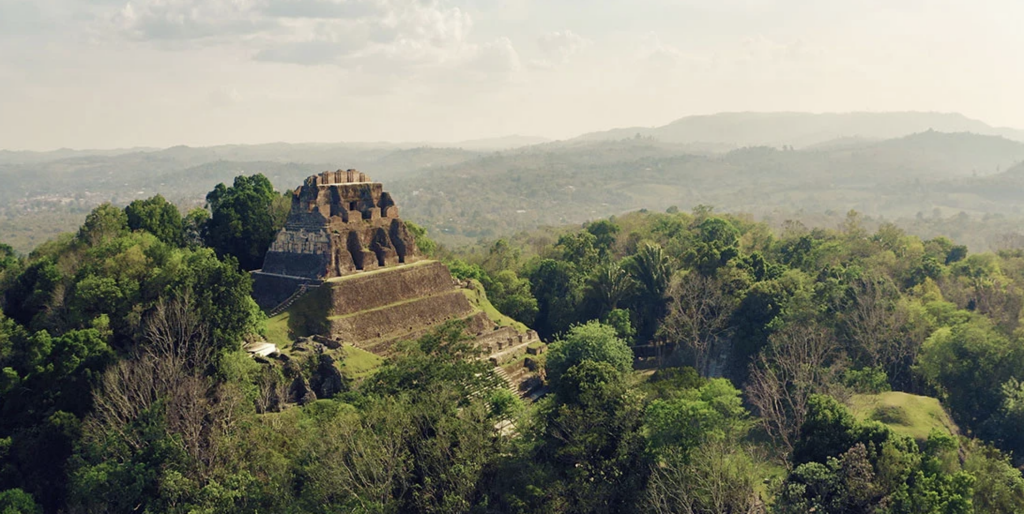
(461, 194)
(802, 129)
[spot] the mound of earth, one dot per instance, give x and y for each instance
(904, 413)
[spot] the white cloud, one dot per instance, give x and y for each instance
(497, 59)
(340, 9)
(559, 46)
(395, 67)
(654, 51)
(385, 36)
(189, 19)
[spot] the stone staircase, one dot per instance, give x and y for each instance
(299, 293)
(516, 380)
(505, 379)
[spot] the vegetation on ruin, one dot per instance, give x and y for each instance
(699, 362)
(906, 414)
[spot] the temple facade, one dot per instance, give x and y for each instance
(340, 223)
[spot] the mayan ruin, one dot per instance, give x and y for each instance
(345, 270)
(340, 222)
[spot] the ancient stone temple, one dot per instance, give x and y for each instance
(340, 223)
(344, 270)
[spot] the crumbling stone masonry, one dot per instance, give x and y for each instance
(366, 283)
(340, 223)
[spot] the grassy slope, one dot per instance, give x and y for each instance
(278, 332)
(906, 414)
(478, 298)
(358, 363)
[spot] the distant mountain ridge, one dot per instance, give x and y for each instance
(277, 151)
(461, 194)
(803, 129)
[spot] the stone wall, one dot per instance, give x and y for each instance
(363, 328)
(371, 291)
(340, 223)
(269, 291)
(347, 220)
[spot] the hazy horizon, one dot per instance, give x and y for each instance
(161, 73)
(442, 144)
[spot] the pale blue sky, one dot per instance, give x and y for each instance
(110, 73)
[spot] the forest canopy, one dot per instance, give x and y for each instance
(698, 362)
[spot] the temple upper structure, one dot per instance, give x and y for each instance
(340, 223)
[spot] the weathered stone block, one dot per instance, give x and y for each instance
(370, 261)
(325, 210)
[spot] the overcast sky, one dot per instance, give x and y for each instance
(110, 73)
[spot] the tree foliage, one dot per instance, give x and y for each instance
(243, 221)
(158, 217)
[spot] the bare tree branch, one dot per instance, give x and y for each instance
(799, 361)
(698, 315)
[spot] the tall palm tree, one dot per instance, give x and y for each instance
(652, 269)
(609, 285)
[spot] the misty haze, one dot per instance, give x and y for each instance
(467, 256)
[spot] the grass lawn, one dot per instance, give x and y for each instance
(906, 414)
(356, 363)
(359, 363)
(277, 330)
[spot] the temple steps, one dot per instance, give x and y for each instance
(396, 320)
(299, 293)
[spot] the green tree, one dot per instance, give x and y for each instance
(968, 364)
(103, 223)
(716, 244)
(998, 486)
(579, 248)
(619, 319)
(444, 358)
(511, 295)
(592, 436)
(444, 393)
(696, 416)
(878, 471)
(593, 341)
(8, 258)
(16, 501)
(501, 256)
(46, 383)
(32, 291)
(652, 270)
(220, 293)
(956, 254)
(604, 232)
(702, 463)
(243, 222)
(463, 270)
(608, 286)
(425, 245)
(158, 217)
(558, 288)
